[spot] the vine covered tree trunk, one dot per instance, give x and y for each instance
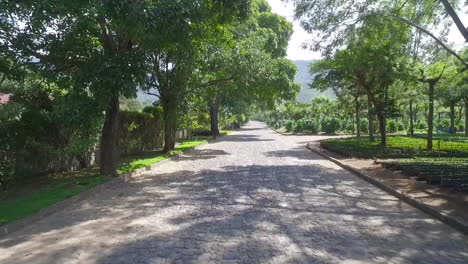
(452, 117)
(370, 117)
(411, 114)
(214, 110)
(382, 127)
(109, 152)
(415, 113)
(430, 117)
(460, 113)
(466, 116)
(358, 117)
(169, 104)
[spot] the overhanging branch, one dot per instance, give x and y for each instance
(456, 19)
(427, 32)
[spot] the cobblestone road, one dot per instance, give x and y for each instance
(252, 197)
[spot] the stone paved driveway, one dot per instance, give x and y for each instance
(253, 197)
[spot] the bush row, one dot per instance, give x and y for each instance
(141, 131)
(326, 125)
(333, 125)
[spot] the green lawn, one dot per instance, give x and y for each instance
(68, 185)
(56, 191)
(142, 160)
(398, 147)
(459, 137)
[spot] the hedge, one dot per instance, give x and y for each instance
(140, 132)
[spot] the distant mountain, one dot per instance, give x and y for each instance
(304, 78)
(143, 97)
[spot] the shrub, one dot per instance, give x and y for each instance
(330, 125)
(299, 126)
(392, 126)
(278, 124)
(364, 125)
(461, 128)
(41, 134)
(289, 125)
(201, 132)
(140, 132)
(349, 127)
(155, 111)
(6, 170)
(401, 126)
(311, 126)
(421, 125)
(443, 125)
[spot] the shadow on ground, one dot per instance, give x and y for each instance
(243, 138)
(250, 214)
(203, 154)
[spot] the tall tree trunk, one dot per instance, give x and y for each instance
(170, 107)
(452, 117)
(382, 127)
(358, 117)
(466, 116)
(214, 110)
(370, 117)
(460, 113)
(415, 117)
(109, 152)
(411, 118)
(430, 117)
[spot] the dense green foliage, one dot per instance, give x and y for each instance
(321, 115)
(398, 146)
(45, 130)
(141, 132)
(73, 66)
(383, 63)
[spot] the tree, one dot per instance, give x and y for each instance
(169, 76)
(409, 91)
(451, 94)
(248, 63)
(172, 63)
(91, 48)
(334, 73)
(100, 46)
(432, 75)
(336, 20)
(372, 61)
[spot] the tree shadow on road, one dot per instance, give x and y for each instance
(244, 138)
(251, 214)
(300, 152)
(202, 154)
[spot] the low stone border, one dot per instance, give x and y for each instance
(454, 223)
(58, 206)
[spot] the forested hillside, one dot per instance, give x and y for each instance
(305, 78)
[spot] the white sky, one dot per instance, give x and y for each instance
(300, 36)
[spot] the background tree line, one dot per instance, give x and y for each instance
(69, 64)
(384, 63)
